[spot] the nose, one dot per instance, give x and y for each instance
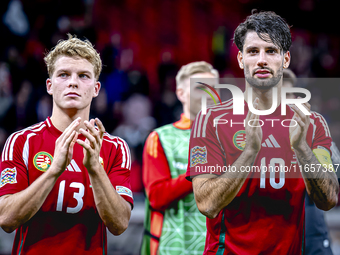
(73, 82)
(262, 61)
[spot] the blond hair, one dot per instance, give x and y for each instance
(74, 47)
(193, 68)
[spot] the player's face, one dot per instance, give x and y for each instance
(73, 83)
(194, 95)
(262, 62)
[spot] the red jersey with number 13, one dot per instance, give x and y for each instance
(68, 221)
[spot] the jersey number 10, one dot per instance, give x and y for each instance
(275, 165)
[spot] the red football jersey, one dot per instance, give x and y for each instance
(68, 221)
(267, 215)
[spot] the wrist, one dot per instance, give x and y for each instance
(301, 148)
(53, 172)
(94, 169)
(249, 152)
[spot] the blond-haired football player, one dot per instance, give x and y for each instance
(64, 180)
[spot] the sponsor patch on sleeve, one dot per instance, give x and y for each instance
(8, 175)
(198, 155)
(121, 190)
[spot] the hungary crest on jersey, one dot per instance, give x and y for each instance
(239, 139)
(42, 161)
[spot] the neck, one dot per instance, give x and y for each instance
(62, 118)
(265, 96)
(188, 114)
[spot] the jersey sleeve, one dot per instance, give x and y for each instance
(206, 155)
(13, 168)
(119, 173)
(321, 137)
(157, 177)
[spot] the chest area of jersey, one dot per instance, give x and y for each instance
(72, 192)
(275, 170)
(41, 155)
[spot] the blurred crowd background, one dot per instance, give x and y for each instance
(142, 45)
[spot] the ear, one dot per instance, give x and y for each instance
(240, 59)
(96, 90)
(286, 59)
(49, 86)
(180, 94)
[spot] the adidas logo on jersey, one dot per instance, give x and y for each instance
(73, 167)
(271, 142)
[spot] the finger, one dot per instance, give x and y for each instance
(90, 126)
(85, 145)
(298, 112)
(92, 122)
(256, 121)
(306, 105)
(101, 128)
(68, 131)
(299, 121)
(73, 141)
(254, 116)
(69, 139)
(89, 136)
(92, 130)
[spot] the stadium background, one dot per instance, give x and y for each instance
(142, 45)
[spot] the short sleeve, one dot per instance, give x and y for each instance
(321, 136)
(119, 174)
(206, 155)
(13, 168)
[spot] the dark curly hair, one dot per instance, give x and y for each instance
(265, 23)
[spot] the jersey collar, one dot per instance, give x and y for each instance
(183, 123)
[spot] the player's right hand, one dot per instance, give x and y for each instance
(63, 150)
(254, 130)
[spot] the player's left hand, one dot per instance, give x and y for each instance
(92, 143)
(298, 133)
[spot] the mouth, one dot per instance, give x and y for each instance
(72, 94)
(262, 73)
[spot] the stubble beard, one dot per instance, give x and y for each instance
(263, 84)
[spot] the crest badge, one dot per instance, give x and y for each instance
(42, 161)
(239, 139)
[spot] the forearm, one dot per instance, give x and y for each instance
(165, 192)
(322, 184)
(114, 210)
(213, 194)
(18, 208)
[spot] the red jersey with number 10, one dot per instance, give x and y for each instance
(68, 221)
(267, 214)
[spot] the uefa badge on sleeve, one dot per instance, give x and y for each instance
(198, 155)
(8, 175)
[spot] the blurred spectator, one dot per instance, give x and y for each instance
(136, 125)
(101, 110)
(16, 19)
(44, 107)
(3, 137)
(167, 108)
(6, 97)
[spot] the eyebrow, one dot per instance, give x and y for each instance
(67, 71)
(255, 47)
